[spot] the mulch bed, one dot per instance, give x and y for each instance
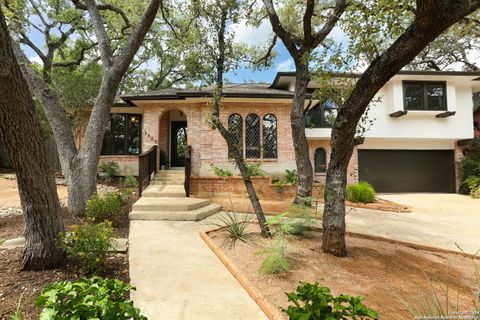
(379, 270)
(13, 226)
(273, 207)
(14, 283)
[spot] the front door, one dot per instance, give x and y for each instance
(178, 143)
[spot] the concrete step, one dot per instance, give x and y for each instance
(177, 182)
(192, 215)
(168, 191)
(169, 178)
(168, 204)
(170, 173)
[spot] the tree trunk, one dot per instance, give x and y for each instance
(432, 18)
(300, 143)
(21, 134)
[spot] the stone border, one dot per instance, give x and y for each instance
(269, 310)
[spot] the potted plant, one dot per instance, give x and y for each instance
(163, 160)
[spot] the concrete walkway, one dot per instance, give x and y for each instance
(436, 220)
(178, 277)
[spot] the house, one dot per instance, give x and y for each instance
(411, 147)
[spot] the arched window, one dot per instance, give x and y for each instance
(252, 136)
(270, 137)
(235, 131)
(320, 160)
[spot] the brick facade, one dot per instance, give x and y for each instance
(209, 147)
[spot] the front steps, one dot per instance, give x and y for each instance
(165, 199)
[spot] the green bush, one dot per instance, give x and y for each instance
(219, 172)
(109, 170)
(275, 256)
(312, 302)
(360, 192)
(130, 182)
(471, 186)
(254, 170)
(93, 298)
(290, 176)
(88, 244)
(103, 207)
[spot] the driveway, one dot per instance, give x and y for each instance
(436, 220)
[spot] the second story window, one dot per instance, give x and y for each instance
(321, 116)
(424, 95)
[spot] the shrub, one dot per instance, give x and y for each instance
(109, 170)
(93, 298)
(88, 244)
(290, 176)
(235, 226)
(360, 192)
(275, 256)
(106, 207)
(130, 182)
(254, 170)
(472, 185)
(219, 172)
(312, 302)
(475, 193)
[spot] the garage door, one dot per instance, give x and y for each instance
(408, 170)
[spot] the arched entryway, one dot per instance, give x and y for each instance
(173, 138)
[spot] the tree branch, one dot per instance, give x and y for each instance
(320, 36)
(136, 38)
(286, 37)
(99, 29)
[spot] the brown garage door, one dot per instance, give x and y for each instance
(408, 170)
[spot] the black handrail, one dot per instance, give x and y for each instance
(147, 164)
(188, 169)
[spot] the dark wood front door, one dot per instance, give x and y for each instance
(178, 143)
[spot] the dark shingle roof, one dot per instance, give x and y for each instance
(236, 90)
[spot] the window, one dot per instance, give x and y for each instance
(123, 135)
(235, 131)
(269, 136)
(320, 160)
(252, 136)
(322, 115)
(425, 95)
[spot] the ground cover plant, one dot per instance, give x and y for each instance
(314, 302)
(87, 298)
(220, 172)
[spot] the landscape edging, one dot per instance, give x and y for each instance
(269, 310)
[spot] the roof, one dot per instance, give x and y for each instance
(291, 74)
(235, 90)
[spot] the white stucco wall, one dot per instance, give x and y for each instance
(418, 124)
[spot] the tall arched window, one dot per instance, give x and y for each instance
(235, 131)
(270, 137)
(252, 136)
(320, 160)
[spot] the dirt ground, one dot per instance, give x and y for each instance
(273, 207)
(379, 270)
(14, 283)
(9, 197)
